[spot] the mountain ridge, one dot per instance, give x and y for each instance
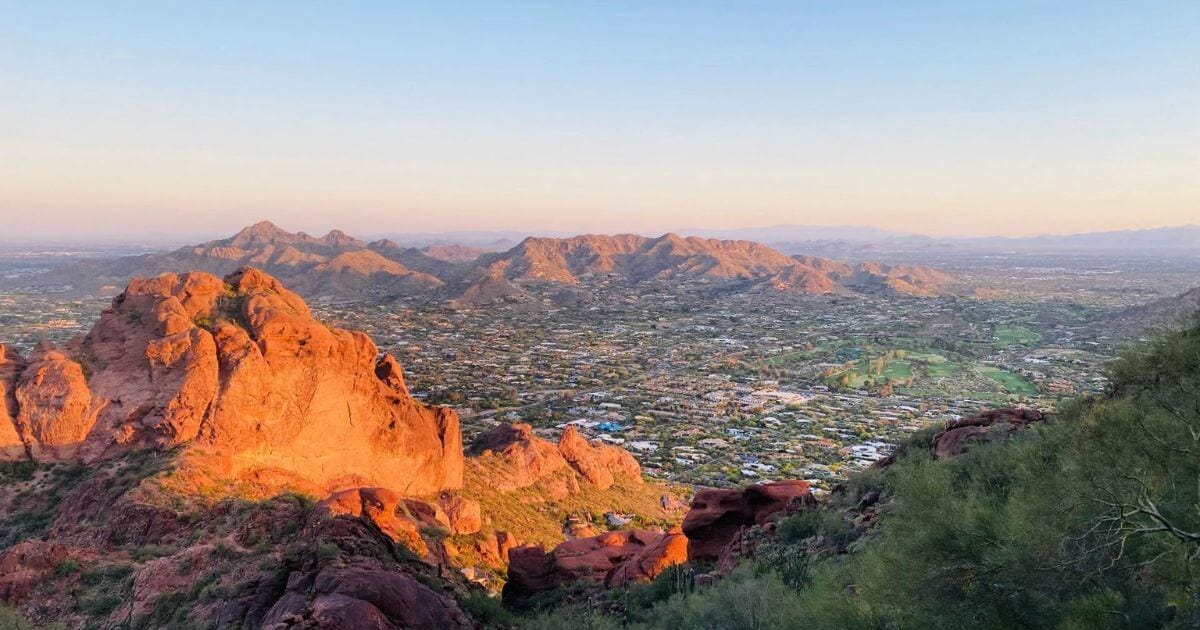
(340, 266)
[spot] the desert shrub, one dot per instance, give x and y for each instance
(573, 616)
(748, 598)
(487, 610)
(17, 471)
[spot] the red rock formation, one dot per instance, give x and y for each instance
(241, 373)
(600, 464)
(717, 515)
(358, 597)
(26, 564)
(11, 366)
(381, 506)
(495, 547)
(53, 400)
(982, 427)
(650, 561)
(515, 458)
(612, 558)
(464, 515)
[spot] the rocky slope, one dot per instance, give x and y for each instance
(724, 527)
(210, 455)
(1172, 313)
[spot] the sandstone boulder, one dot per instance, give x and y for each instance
(600, 464)
(718, 514)
(25, 565)
(464, 515)
(611, 559)
(360, 597)
(53, 415)
(982, 427)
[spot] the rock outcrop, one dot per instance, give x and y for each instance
(611, 559)
(516, 458)
(718, 514)
(11, 366)
(982, 427)
(26, 564)
(240, 373)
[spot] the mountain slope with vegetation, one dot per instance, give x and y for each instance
(1090, 519)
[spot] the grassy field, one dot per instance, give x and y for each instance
(942, 369)
(1009, 381)
(856, 378)
(1015, 334)
(898, 369)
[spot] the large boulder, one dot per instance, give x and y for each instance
(611, 559)
(464, 515)
(718, 514)
(599, 464)
(53, 414)
(241, 374)
(360, 597)
(982, 427)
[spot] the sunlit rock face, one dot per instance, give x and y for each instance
(239, 374)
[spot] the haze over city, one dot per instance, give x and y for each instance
(600, 315)
(182, 119)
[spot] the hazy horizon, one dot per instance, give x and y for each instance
(946, 119)
(822, 232)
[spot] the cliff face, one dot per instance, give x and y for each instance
(240, 374)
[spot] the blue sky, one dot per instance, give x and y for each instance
(938, 117)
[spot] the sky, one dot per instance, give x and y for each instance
(945, 118)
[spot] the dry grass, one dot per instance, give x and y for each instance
(536, 518)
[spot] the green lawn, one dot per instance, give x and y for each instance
(1009, 381)
(942, 368)
(1016, 335)
(898, 369)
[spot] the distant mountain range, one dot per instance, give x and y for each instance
(341, 266)
(1184, 239)
(1181, 240)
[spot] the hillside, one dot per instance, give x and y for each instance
(335, 264)
(1087, 518)
(635, 259)
(1170, 313)
(210, 455)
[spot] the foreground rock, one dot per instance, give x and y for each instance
(982, 427)
(238, 372)
(611, 559)
(718, 514)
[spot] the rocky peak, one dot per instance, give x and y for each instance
(338, 238)
(240, 373)
(262, 233)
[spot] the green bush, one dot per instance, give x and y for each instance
(487, 610)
